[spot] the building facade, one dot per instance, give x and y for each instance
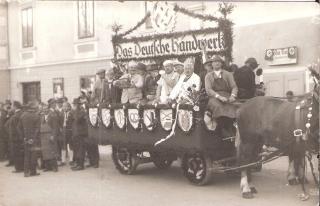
(55, 47)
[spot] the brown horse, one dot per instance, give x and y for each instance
(290, 127)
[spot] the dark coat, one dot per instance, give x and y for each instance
(67, 126)
(14, 132)
(79, 126)
(246, 83)
(29, 126)
(49, 143)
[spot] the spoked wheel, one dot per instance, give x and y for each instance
(124, 160)
(162, 161)
(197, 168)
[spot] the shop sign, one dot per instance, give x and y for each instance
(287, 55)
(176, 45)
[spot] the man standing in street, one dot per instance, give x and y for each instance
(17, 137)
(80, 133)
(29, 126)
(245, 79)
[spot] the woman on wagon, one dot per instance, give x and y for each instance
(222, 91)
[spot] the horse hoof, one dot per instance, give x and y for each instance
(253, 190)
(247, 195)
(293, 182)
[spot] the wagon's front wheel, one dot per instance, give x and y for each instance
(197, 168)
(124, 160)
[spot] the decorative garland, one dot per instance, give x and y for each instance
(224, 25)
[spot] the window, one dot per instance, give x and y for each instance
(148, 7)
(85, 19)
(27, 27)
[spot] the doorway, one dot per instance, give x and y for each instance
(31, 91)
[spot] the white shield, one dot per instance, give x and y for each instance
(134, 118)
(106, 117)
(93, 116)
(185, 120)
(149, 116)
(210, 122)
(166, 119)
(120, 118)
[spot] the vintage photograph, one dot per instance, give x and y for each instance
(178, 103)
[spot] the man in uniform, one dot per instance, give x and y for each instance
(29, 126)
(80, 133)
(245, 79)
(17, 138)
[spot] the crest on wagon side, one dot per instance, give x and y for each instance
(106, 117)
(166, 119)
(210, 123)
(185, 120)
(120, 118)
(93, 116)
(149, 118)
(134, 118)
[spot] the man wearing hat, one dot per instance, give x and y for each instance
(167, 81)
(178, 67)
(79, 133)
(245, 79)
(222, 91)
(16, 138)
(188, 80)
(98, 86)
(150, 82)
(111, 94)
(29, 128)
(133, 91)
(207, 67)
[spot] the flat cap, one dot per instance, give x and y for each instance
(101, 71)
(51, 101)
(167, 63)
(252, 61)
(216, 58)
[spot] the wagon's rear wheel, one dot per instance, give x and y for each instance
(162, 161)
(124, 160)
(197, 168)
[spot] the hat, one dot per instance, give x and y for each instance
(152, 67)
(252, 61)
(76, 101)
(101, 71)
(59, 100)
(216, 58)
(51, 101)
(137, 66)
(17, 104)
(167, 63)
(32, 105)
(177, 62)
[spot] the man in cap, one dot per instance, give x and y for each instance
(79, 133)
(29, 127)
(245, 79)
(189, 81)
(133, 91)
(17, 138)
(98, 87)
(222, 91)
(207, 65)
(167, 81)
(150, 82)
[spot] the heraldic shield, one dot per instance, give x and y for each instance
(120, 118)
(134, 118)
(93, 116)
(185, 120)
(149, 116)
(210, 122)
(166, 119)
(106, 117)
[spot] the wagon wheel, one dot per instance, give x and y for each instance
(197, 168)
(161, 161)
(124, 160)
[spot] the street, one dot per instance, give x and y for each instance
(149, 186)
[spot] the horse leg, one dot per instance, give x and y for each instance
(300, 172)
(244, 185)
(291, 173)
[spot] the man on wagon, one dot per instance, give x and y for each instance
(222, 91)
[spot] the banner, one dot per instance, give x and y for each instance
(174, 45)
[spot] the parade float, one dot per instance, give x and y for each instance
(162, 133)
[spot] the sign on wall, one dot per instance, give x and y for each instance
(174, 45)
(280, 56)
(58, 89)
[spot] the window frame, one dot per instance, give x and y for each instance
(29, 37)
(86, 20)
